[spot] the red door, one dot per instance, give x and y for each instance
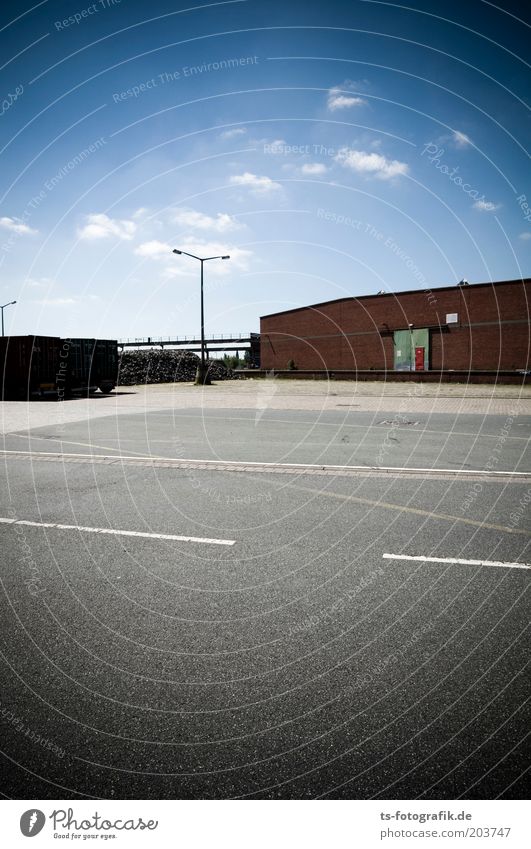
(419, 359)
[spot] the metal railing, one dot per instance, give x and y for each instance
(214, 337)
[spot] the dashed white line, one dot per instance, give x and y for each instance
(115, 532)
(460, 561)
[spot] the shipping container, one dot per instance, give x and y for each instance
(28, 366)
(46, 366)
(86, 365)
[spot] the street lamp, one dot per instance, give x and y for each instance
(3, 308)
(201, 377)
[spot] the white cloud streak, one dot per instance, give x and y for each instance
(460, 139)
(343, 101)
(15, 225)
(183, 266)
(339, 97)
(371, 164)
(258, 185)
(66, 302)
(195, 220)
(239, 259)
(153, 249)
(486, 206)
(314, 169)
(233, 134)
(100, 226)
(41, 283)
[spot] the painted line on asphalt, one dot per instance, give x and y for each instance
(253, 465)
(285, 469)
(61, 442)
(459, 560)
(414, 511)
(341, 426)
(116, 532)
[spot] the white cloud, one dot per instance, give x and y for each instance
(268, 145)
(313, 169)
(56, 302)
(177, 270)
(16, 226)
(38, 284)
(100, 226)
(373, 164)
(221, 223)
(460, 139)
(183, 266)
(153, 249)
(239, 257)
(233, 134)
(525, 236)
(140, 212)
(276, 146)
(339, 98)
(343, 101)
(66, 302)
(259, 185)
(486, 206)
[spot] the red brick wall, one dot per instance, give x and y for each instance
(357, 332)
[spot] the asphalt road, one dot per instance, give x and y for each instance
(283, 656)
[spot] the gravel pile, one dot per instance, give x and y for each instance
(169, 366)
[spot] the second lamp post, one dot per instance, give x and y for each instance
(202, 370)
(2, 308)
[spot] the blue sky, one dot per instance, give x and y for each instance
(333, 149)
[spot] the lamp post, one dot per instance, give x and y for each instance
(201, 377)
(3, 308)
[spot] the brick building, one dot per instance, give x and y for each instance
(479, 327)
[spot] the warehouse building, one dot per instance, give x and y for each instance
(482, 328)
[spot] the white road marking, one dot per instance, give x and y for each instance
(115, 532)
(458, 560)
(233, 465)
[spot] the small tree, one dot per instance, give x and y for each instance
(232, 362)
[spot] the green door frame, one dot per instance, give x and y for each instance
(405, 342)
